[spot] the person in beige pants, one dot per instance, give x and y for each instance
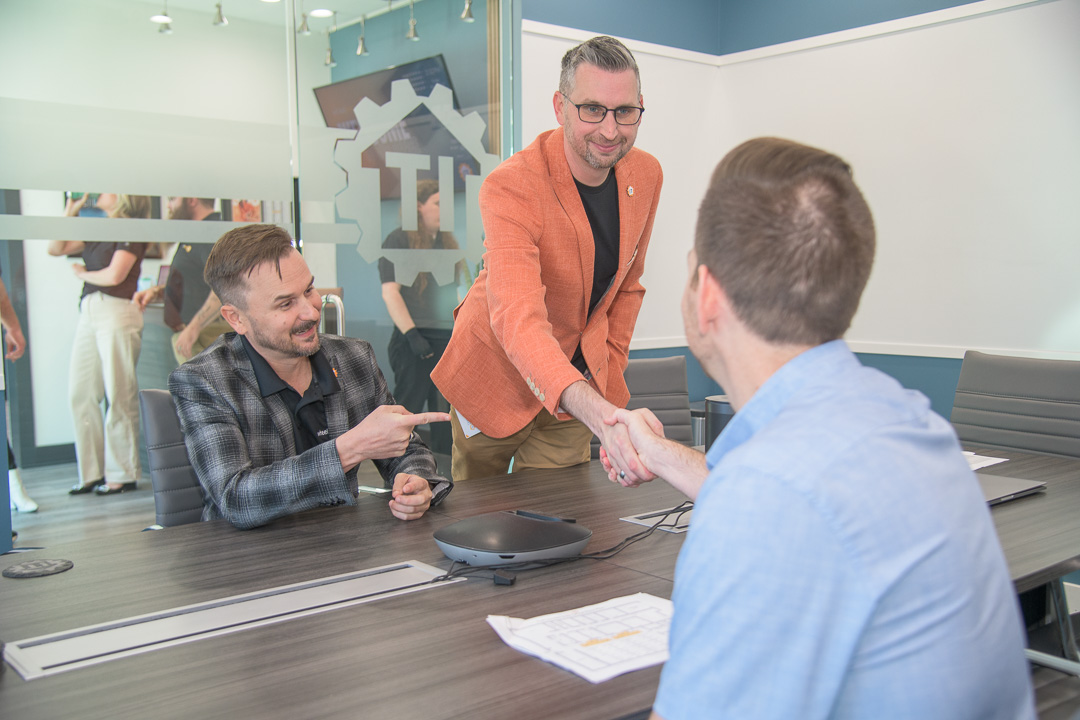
(104, 352)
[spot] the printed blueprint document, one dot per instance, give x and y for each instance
(597, 642)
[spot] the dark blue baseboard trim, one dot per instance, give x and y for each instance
(934, 377)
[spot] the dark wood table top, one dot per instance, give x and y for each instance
(429, 654)
(422, 655)
(1040, 534)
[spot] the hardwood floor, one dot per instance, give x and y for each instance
(63, 518)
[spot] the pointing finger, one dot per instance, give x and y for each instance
(427, 417)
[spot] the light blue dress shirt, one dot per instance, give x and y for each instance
(842, 563)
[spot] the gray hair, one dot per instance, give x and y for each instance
(604, 52)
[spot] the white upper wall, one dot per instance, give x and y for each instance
(961, 126)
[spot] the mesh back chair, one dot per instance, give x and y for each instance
(660, 385)
(1024, 404)
(1028, 405)
(178, 497)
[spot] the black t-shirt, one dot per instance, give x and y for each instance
(185, 288)
(98, 256)
(430, 305)
(602, 208)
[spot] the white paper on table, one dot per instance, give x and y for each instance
(981, 461)
(597, 642)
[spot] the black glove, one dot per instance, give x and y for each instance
(419, 344)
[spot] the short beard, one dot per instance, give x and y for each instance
(289, 347)
(606, 163)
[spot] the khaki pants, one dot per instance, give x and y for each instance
(206, 338)
(544, 443)
(108, 339)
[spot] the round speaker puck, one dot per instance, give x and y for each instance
(37, 568)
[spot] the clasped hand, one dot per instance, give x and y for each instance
(411, 496)
(625, 449)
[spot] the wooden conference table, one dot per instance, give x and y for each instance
(428, 654)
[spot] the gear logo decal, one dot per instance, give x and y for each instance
(360, 200)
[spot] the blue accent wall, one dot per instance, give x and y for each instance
(934, 377)
(686, 24)
(718, 27)
(749, 25)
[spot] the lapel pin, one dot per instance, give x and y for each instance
(630, 191)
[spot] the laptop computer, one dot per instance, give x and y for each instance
(1000, 488)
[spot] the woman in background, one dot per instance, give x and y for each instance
(422, 313)
(106, 348)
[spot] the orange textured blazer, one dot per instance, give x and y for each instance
(523, 318)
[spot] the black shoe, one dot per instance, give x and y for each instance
(85, 489)
(106, 490)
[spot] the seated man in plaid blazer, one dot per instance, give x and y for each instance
(277, 418)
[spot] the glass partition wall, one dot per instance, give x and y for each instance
(338, 127)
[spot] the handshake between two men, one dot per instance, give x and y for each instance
(633, 448)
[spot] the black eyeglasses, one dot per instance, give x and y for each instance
(593, 113)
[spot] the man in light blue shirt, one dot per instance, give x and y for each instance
(842, 562)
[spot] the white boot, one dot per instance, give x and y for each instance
(19, 499)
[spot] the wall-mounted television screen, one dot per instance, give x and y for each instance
(419, 132)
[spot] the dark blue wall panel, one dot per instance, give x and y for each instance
(934, 377)
(747, 25)
(718, 28)
(686, 24)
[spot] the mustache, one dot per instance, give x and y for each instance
(304, 327)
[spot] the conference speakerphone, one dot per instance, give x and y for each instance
(511, 536)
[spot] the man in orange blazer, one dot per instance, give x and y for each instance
(536, 361)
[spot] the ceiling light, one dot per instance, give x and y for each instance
(321, 13)
(164, 16)
(271, 1)
(361, 49)
(219, 17)
(466, 14)
(165, 29)
(412, 34)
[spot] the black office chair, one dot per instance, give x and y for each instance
(178, 496)
(660, 385)
(1013, 403)
(1029, 405)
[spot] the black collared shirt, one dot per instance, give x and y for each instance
(308, 411)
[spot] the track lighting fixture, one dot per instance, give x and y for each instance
(219, 17)
(361, 49)
(165, 29)
(466, 14)
(412, 34)
(330, 62)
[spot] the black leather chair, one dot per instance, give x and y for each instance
(1013, 403)
(178, 496)
(1029, 405)
(660, 385)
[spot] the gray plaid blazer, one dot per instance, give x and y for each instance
(241, 444)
